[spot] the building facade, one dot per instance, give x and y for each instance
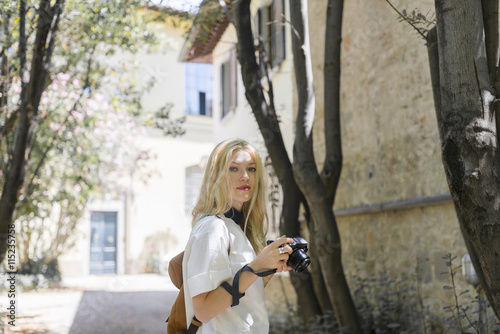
(139, 231)
(394, 212)
(393, 208)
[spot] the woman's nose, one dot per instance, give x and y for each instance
(244, 175)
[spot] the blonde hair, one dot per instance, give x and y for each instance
(216, 196)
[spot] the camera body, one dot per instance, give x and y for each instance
(298, 260)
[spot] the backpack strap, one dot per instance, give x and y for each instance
(193, 327)
(234, 290)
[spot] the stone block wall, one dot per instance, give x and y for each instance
(406, 246)
(391, 148)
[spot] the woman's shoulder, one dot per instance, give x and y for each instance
(209, 224)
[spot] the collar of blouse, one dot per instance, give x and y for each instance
(234, 214)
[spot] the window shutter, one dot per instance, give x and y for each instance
(233, 64)
(223, 89)
(278, 32)
(229, 83)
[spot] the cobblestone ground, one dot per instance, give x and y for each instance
(136, 304)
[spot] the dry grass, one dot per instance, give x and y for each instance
(25, 325)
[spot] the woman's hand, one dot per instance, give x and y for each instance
(274, 256)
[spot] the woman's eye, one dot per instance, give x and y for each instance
(233, 169)
(252, 169)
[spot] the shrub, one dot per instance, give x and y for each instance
(397, 306)
(37, 273)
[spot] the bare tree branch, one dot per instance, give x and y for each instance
(266, 65)
(433, 54)
(56, 11)
(267, 121)
(324, 234)
(333, 38)
(58, 132)
(22, 46)
(406, 19)
(5, 83)
(223, 4)
(264, 113)
(9, 123)
(12, 118)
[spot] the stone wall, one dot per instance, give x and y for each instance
(391, 149)
(395, 245)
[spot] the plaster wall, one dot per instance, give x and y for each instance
(241, 123)
(153, 225)
(159, 226)
(390, 138)
(166, 70)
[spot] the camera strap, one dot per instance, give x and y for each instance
(236, 283)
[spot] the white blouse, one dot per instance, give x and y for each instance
(217, 248)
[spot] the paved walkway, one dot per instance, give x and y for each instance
(110, 304)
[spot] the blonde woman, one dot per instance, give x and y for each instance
(226, 254)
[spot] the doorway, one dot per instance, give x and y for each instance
(103, 242)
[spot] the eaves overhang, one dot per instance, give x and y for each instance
(206, 31)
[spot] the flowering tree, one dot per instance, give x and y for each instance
(90, 150)
(58, 135)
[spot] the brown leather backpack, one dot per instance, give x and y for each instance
(176, 322)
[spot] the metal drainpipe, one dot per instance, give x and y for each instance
(394, 205)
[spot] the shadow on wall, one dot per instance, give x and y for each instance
(123, 312)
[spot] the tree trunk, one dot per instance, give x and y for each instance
(269, 127)
(30, 99)
(465, 103)
(333, 39)
(325, 235)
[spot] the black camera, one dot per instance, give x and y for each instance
(298, 260)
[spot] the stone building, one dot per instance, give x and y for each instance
(393, 206)
(395, 215)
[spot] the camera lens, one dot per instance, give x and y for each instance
(299, 260)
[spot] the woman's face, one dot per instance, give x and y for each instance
(242, 175)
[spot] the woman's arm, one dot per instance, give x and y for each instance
(209, 304)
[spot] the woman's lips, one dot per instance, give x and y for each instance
(244, 188)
